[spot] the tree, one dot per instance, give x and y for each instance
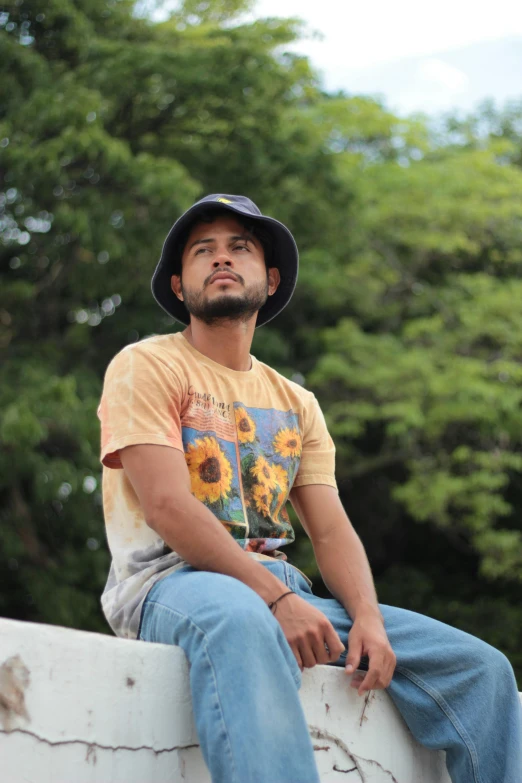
(111, 126)
(420, 379)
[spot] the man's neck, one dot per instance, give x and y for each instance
(227, 344)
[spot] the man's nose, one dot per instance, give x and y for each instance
(222, 258)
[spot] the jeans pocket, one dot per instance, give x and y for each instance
(279, 569)
(142, 615)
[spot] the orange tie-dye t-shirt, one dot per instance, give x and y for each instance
(248, 438)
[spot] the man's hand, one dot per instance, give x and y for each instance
(368, 637)
(307, 632)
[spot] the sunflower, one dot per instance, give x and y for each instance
(287, 443)
(282, 495)
(210, 470)
(246, 428)
(281, 477)
(264, 473)
(262, 499)
(281, 500)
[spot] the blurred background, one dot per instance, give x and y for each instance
(389, 140)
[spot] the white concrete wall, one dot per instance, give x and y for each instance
(79, 707)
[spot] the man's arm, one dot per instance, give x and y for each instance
(161, 480)
(160, 477)
(346, 572)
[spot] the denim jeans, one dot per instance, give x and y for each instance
(454, 691)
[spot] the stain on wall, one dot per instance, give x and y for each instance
(14, 679)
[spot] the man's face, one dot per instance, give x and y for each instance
(224, 276)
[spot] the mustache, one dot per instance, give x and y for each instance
(209, 279)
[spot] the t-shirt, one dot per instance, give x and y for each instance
(248, 438)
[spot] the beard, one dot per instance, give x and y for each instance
(227, 307)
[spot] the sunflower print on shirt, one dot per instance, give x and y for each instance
(287, 443)
(210, 470)
(269, 460)
(214, 478)
(246, 429)
(245, 483)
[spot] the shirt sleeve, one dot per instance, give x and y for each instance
(140, 403)
(317, 464)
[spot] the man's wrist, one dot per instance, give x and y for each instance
(273, 604)
(266, 584)
(366, 610)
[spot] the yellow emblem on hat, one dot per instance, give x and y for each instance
(224, 200)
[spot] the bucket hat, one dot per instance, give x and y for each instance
(284, 255)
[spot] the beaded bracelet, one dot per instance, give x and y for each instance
(273, 603)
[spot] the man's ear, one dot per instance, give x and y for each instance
(274, 278)
(175, 284)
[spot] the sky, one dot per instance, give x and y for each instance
(428, 57)
(358, 35)
(417, 56)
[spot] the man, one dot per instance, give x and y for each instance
(212, 444)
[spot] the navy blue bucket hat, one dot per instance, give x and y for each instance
(284, 255)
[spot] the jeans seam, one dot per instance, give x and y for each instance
(290, 578)
(200, 630)
(454, 720)
(142, 615)
(297, 679)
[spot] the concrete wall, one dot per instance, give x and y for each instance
(79, 707)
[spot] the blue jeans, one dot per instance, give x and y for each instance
(454, 691)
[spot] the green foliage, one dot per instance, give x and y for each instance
(405, 322)
(216, 12)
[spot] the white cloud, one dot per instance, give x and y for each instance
(438, 73)
(360, 35)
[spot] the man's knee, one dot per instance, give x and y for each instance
(500, 666)
(487, 662)
(237, 609)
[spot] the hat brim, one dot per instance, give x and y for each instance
(285, 258)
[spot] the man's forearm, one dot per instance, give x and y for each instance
(191, 529)
(346, 572)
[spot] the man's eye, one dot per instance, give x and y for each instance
(201, 250)
(241, 247)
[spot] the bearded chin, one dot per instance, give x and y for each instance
(228, 307)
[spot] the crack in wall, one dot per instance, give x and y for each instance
(369, 695)
(376, 764)
(93, 746)
(315, 732)
(91, 754)
(322, 734)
